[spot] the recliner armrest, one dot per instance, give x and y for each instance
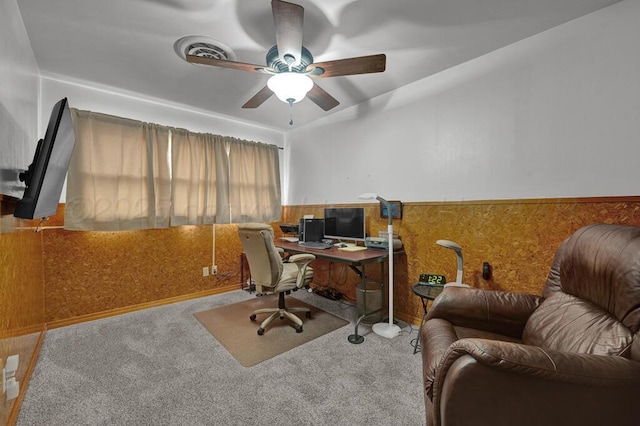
(575, 388)
(496, 311)
(570, 367)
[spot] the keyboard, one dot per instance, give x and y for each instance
(315, 245)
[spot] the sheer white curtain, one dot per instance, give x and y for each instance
(254, 182)
(118, 177)
(125, 174)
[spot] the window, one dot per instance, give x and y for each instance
(126, 174)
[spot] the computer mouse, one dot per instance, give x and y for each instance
(341, 245)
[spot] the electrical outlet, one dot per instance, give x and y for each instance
(205, 271)
(214, 269)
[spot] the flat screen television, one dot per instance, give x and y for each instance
(45, 176)
(345, 223)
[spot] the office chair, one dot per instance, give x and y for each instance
(272, 275)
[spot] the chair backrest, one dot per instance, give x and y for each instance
(592, 295)
(265, 262)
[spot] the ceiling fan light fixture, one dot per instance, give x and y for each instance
(290, 87)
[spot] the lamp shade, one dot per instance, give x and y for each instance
(368, 196)
(290, 87)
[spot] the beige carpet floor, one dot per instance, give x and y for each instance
(230, 325)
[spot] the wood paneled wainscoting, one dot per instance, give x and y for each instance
(517, 237)
(90, 275)
(56, 277)
(22, 310)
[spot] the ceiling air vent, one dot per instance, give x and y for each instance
(203, 46)
(207, 50)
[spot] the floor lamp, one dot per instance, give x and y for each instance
(388, 330)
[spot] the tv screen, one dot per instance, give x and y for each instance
(346, 223)
(45, 177)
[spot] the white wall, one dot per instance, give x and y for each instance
(19, 91)
(555, 115)
(88, 96)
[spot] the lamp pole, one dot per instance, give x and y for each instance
(388, 330)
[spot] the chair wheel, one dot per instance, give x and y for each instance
(299, 329)
(308, 314)
(252, 317)
(260, 331)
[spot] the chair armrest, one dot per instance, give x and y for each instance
(496, 311)
(534, 386)
(302, 261)
(302, 258)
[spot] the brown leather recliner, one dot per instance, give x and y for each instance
(571, 357)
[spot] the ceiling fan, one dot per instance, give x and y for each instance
(291, 65)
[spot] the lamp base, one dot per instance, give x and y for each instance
(356, 339)
(386, 330)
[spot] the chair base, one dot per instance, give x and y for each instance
(280, 312)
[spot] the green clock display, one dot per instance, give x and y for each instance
(432, 279)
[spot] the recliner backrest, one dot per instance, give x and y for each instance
(259, 248)
(594, 305)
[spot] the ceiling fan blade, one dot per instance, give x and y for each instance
(288, 18)
(228, 64)
(322, 98)
(259, 98)
(349, 66)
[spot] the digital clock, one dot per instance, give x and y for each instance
(432, 279)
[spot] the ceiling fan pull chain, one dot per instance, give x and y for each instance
(290, 111)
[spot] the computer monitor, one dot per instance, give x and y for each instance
(312, 230)
(345, 223)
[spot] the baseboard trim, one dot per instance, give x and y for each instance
(127, 309)
(15, 332)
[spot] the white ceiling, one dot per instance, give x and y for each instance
(129, 44)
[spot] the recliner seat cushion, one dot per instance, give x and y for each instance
(289, 276)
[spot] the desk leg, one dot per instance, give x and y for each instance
(356, 338)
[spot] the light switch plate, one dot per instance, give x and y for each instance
(12, 364)
(13, 389)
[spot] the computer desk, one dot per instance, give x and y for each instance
(356, 260)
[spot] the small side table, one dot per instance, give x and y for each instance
(425, 292)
